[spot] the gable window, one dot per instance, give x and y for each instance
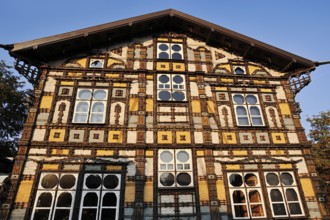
(247, 109)
(172, 51)
(239, 70)
(96, 63)
(175, 168)
(171, 87)
(90, 106)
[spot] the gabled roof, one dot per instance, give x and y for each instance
(43, 50)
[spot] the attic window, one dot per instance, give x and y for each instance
(169, 51)
(96, 63)
(239, 70)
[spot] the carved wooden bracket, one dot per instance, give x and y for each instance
(31, 73)
(299, 80)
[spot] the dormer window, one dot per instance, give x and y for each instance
(96, 63)
(167, 51)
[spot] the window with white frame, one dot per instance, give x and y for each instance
(55, 196)
(283, 194)
(172, 51)
(175, 168)
(247, 109)
(99, 195)
(246, 195)
(96, 63)
(90, 106)
(171, 87)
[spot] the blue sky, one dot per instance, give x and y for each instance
(301, 27)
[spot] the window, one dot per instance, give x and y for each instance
(175, 168)
(247, 109)
(171, 87)
(248, 201)
(169, 51)
(239, 70)
(96, 63)
(56, 195)
(246, 195)
(90, 106)
(283, 194)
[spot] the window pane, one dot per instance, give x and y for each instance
(291, 195)
(254, 196)
(45, 200)
(239, 196)
(176, 47)
(97, 64)
(62, 214)
(238, 99)
(235, 180)
(98, 107)
(85, 94)
(80, 118)
(163, 47)
(41, 214)
(82, 107)
(111, 182)
(49, 181)
(272, 179)
(109, 199)
(251, 179)
(176, 56)
(183, 179)
(276, 195)
(239, 70)
(164, 95)
(182, 156)
(243, 121)
(166, 156)
(240, 110)
(178, 96)
(67, 181)
(255, 111)
(167, 179)
(178, 79)
(91, 199)
(257, 210)
(164, 79)
(100, 94)
(251, 99)
(163, 55)
(257, 121)
(295, 209)
(241, 211)
(108, 214)
(93, 181)
(89, 214)
(279, 209)
(286, 179)
(64, 200)
(96, 118)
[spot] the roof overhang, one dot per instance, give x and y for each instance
(44, 50)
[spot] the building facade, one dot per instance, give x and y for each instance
(162, 116)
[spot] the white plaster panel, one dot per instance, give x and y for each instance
(52, 73)
(215, 137)
(164, 109)
(198, 137)
(100, 136)
(289, 123)
(208, 91)
(180, 109)
(149, 87)
(42, 118)
(259, 152)
(38, 134)
(150, 121)
(132, 121)
(82, 152)
(135, 87)
(191, 67)
(50, 84)
(295, 152)
(218, 169)
(131, 168)
(150, 65)
(165, 118)
(201, 167)
(127, 153)
(293, 138)
(149, 167)
(65, 113)
(280, 93)
(213, 124)
(314, 211)
(222, 116)
(30, 168)
(181, 118)
(131, 136)
(193, 89)
(301, 165)
(150, 137)
(136, 65)
(270, 120)
(113, 113)
(37, 151)
(204, 68)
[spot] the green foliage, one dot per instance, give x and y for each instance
(320, 135)
(13, 109)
